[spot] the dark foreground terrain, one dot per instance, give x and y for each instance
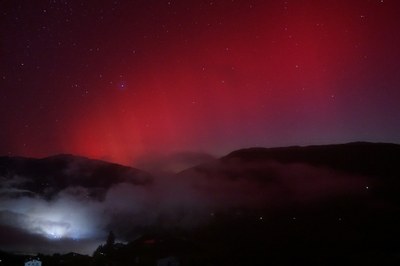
(317, 205)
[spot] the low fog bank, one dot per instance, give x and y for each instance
(74, 221)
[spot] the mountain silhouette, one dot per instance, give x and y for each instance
(314, 205)
(50, 175)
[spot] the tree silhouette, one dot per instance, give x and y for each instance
(105, 253)
(110, 240)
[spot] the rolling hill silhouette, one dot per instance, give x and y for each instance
(315, 205)
(48, 176)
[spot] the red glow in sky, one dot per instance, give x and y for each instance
(122, 79)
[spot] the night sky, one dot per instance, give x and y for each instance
(119, 80)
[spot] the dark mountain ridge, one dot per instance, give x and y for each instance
(47, 176)
(376, 160)
(357, 157)
(314, 205)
